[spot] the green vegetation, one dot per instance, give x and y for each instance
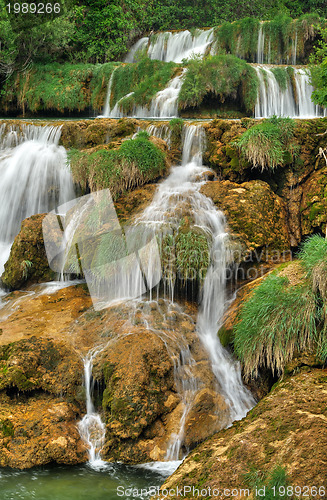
(280, 319)
(224, 77)
(240, 38)
(272, 485)
(270, 143)
(314, 260)
(185, 254)
(133, 164)
(319, 71)
(277, 320)
(144, 79)
(58, 87)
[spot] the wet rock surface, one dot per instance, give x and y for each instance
(284, 428)
(27, 262)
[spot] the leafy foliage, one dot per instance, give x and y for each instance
(224, 76)
(319, 71)
(270, 143)
(59, 87)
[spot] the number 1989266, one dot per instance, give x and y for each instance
(33, 8)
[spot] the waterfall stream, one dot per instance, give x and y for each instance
(167, 46)
(91, 427)
(31, 155)
(296, 102)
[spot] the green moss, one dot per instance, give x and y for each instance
(7, 428)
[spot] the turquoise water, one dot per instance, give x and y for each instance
(78, 483)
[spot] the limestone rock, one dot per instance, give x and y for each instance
(255, 215)
(287, 428)
(27, 262)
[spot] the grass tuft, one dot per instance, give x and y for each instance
(270, 143)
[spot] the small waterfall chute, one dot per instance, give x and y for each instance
(34, 178)
(91, 427)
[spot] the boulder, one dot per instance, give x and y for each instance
(256, 216)
(284, 431)
(27, 262)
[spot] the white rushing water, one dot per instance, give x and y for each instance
(163, 105)
(168, 46)
(34, 178)
(274, 100)
(91, 427)
(176, 196)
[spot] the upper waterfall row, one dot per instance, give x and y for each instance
(280, 41)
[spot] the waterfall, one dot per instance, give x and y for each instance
(163, 105)
(34, 178)
(177, 195)
(106, 109)
(91, 427)
(161, 131)
(175, 47)
(138, 47)
(274, 100)
(261, 45)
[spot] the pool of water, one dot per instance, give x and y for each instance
(82, 482)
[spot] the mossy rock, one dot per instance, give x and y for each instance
(255, 215)
(27, 262)
(40, 365)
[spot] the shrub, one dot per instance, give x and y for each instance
(133, 164)
(224, 76)
(270, 143)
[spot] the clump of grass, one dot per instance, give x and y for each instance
(176, 126)
(314, 260)
(272, 485)
(276, 321)
(185, 254)
(134, 163)
(225, 77)
(270, 143)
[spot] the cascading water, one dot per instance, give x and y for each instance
(34, 178)
(177, 195)
(91, 427)
(163, 105)
(274, 100)
(175, 47)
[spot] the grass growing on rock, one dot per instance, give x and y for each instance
(270, 143)
(280, 319)
(277, 320)
(225, 77)
(136, 162)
